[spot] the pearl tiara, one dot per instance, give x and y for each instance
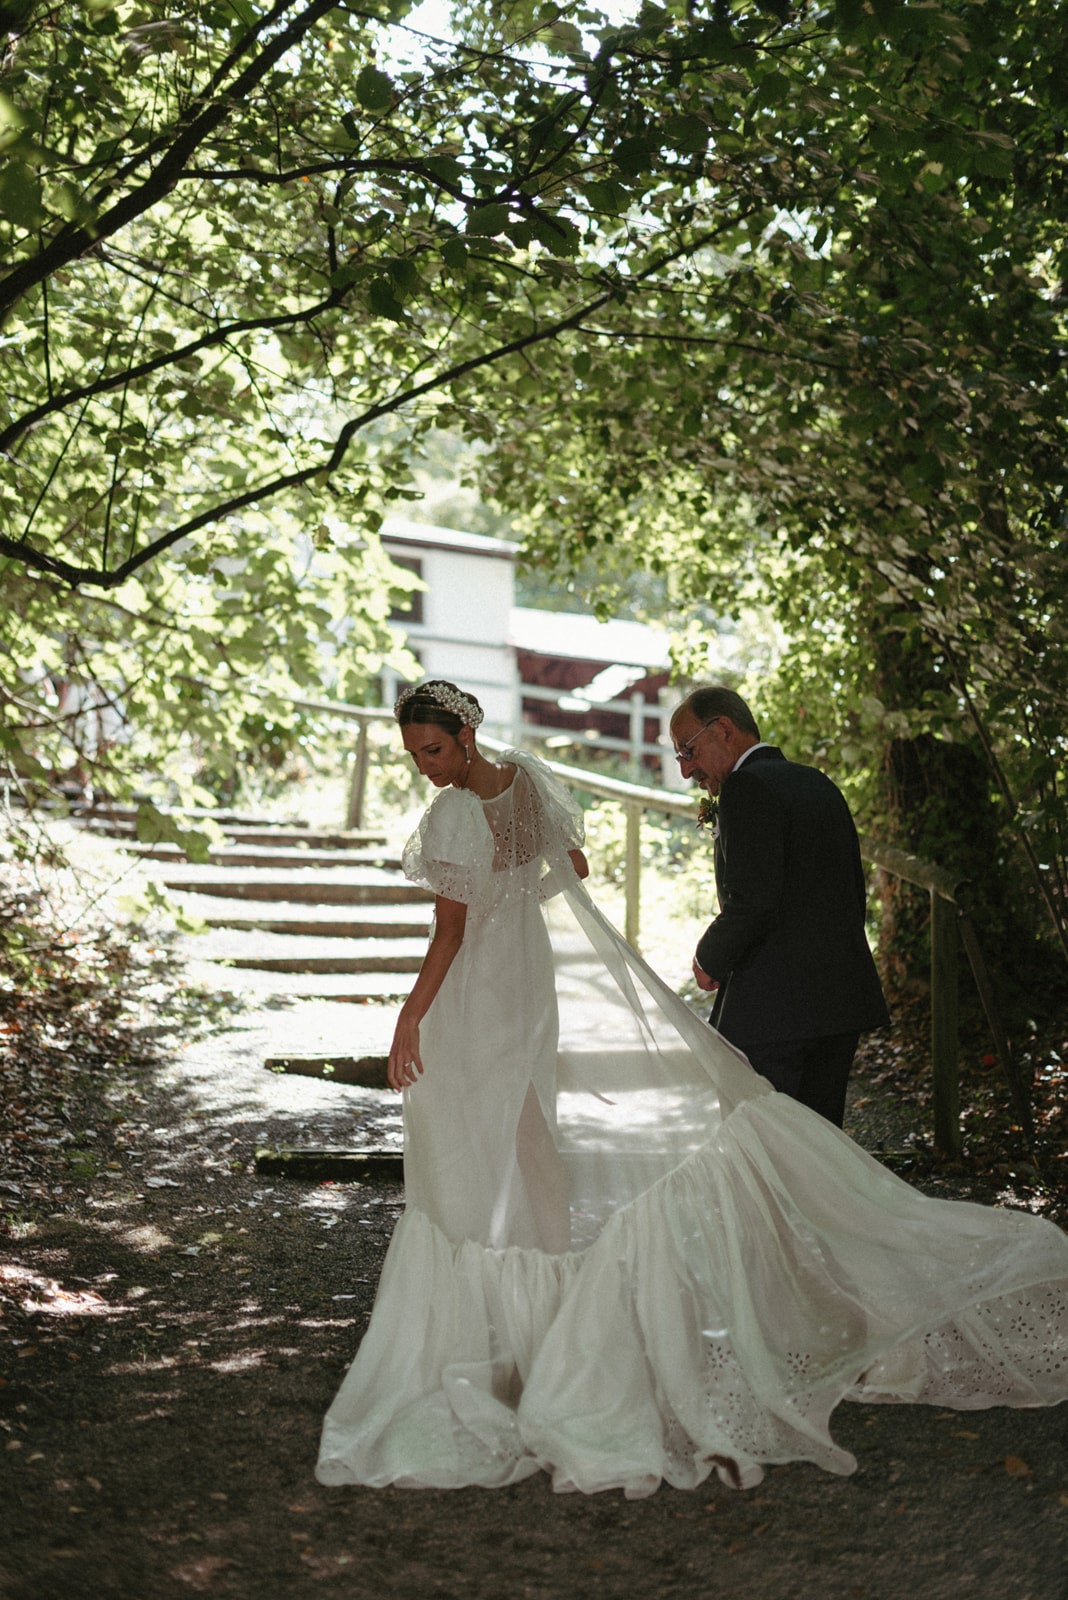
(461, 705)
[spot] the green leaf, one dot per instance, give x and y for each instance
(403, 273)
(558, 234)
(607, 195)
(487, 221)
(712, 40)
(686, 133)
(347, 275)
(153, 826)
(447, 168)
(994, 160)
(634, 155)
(849, 15)
(773, 89)
(20, 195)
(11, 122)
(383, 301)
(104, 20)
(565, 36)
(374, 89)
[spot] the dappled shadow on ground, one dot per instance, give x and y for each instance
(175, 1327)
(173, 1351)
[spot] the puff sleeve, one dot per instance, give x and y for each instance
(451, 851)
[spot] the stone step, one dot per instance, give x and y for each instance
(257, 857)
(313, 921)
(367, 1072)
(270, 952)
(295, 835)
(315, 1165)
(254, 984)
(392, 961)
(105, 812)
(339, 887)
(317, 1028)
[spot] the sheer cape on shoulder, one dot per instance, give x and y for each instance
(624, 1258)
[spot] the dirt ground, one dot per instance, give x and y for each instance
(176, 1325)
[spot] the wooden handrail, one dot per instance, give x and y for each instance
(950, 917)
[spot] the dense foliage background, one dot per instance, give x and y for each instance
(763, 300)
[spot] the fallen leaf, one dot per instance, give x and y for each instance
(1016, 1467)
(202, 1574)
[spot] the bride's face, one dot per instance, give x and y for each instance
(439, 756)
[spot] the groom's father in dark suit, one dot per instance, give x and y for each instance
(787, 956)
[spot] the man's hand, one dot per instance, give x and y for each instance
(710, 985)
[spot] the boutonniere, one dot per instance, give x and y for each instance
(708, 814)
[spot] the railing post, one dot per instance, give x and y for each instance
(945, 1043)
(358, 781)
(670, 775)
(637, 733)
(633, 878)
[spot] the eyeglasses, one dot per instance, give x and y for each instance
(685, 751)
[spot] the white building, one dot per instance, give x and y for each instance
(563, 677)
(459, 626)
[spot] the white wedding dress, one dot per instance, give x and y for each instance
(624, 1258)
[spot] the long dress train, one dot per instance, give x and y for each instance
(624, 1259)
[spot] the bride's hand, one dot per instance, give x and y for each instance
(405, 1063)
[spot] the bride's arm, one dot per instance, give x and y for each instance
(579, 862)
(405, 1063)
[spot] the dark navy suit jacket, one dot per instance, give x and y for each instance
(788, 946)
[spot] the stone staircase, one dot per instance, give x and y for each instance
(293, 911)
(294, 917)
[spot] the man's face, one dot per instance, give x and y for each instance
(706, 751)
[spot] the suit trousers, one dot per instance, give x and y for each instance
(814, 1071)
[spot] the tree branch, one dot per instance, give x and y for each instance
(56, 566)
(144, 369)
(73, 241)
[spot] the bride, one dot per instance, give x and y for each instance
(624, 1259)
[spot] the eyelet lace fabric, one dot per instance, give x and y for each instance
(519, 837)
(624, 1260)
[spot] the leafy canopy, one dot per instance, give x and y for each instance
(729, 289)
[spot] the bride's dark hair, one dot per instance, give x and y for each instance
(433, 702)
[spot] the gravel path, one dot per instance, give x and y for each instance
(176, 1332)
